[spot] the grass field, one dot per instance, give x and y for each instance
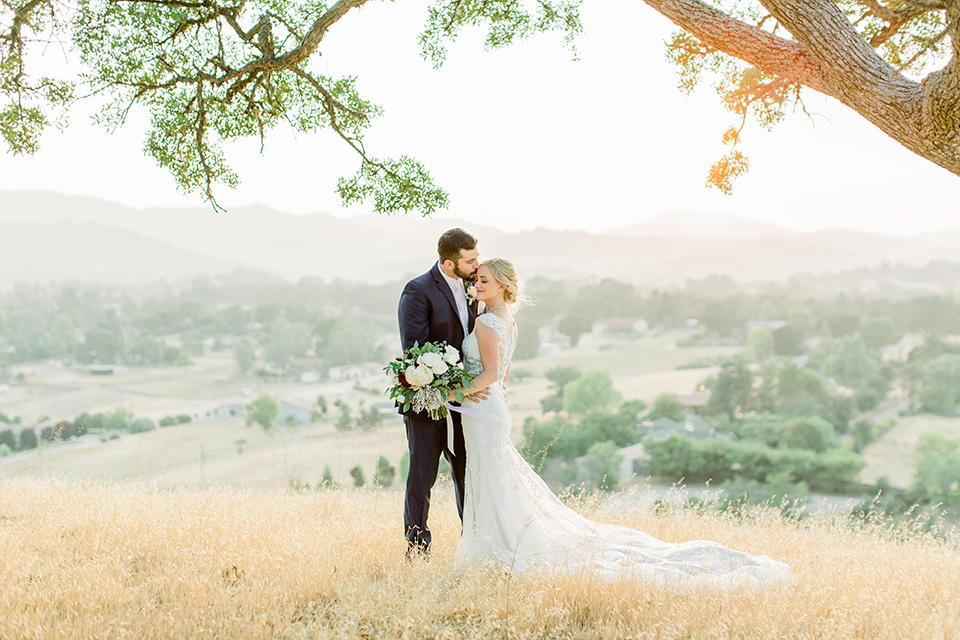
(105, 561)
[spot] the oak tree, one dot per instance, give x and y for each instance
(210, 71)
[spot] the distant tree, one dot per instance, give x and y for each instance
(119, 418)
(559, 377)
(722, 316)
(285, 340)
(802, 391)
(357, 474)
(5, 449)
(666, 405)
(761, 343)
(629, 412)
(574, 325)
(938, 468)
(619, 428)
(168, 421)
(940, 391)
(867, 398)
(852, 363)
(322, 404)
(864, 433)
(48, 434)
(61, 334)
(385, 472)
(541, 439)
(141, 425)
(245, 356)
(263, 411)
(28, 439)
(349, 342)
(731, 390)
(370, 417)
(938, 315)
(603, 464)
(765, 396)
(345, 421)
(67, 429)
(404, 465)
(528, 328)
(788, 341)
(812, 433)
(327, 481)
(8, 438)
(103, 343)
(879, 332)
(183, 418)
(593, 391)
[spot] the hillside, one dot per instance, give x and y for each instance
(107, 561)
(692, 224)
(117, 244)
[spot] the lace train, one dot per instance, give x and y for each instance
(512, 518)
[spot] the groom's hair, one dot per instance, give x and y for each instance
(454, 241)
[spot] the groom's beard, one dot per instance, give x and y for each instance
(466, 277)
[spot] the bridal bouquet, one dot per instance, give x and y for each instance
(424, 377)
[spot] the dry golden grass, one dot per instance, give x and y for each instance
(114, 561)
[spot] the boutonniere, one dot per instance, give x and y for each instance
(471, 292)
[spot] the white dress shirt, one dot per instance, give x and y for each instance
(459, 294)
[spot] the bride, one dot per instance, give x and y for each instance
(511, 517)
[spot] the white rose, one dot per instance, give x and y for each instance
(432, 360)
(411, 376)
(451, 355)
(422, 376)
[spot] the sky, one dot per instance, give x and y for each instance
(526, 137)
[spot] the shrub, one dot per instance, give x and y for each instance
(815, 434)
(721, 460)
(357, 474)
(385, 472)
(8, 438)
(141, 425)
(28, 439)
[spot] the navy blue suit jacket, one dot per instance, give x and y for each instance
(428, 313)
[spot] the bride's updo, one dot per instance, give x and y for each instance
(505, 273)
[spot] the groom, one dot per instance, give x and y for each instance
(435, 307)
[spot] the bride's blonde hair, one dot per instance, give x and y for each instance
(505, 273)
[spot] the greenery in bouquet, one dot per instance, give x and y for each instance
(425, 375)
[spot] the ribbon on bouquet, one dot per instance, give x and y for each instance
(467, 411)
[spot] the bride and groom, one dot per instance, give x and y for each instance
(510, 517)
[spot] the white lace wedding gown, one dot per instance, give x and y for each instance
(511, 517)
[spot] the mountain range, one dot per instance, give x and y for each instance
(47, 237)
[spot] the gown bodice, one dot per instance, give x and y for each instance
(507, 340)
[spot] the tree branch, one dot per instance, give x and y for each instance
(923, 118)
(319, 29)
(767, 52)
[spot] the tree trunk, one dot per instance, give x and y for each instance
(830, 56)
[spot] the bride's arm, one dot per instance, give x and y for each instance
(489, 344)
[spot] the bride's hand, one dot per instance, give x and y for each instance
(477, 396)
